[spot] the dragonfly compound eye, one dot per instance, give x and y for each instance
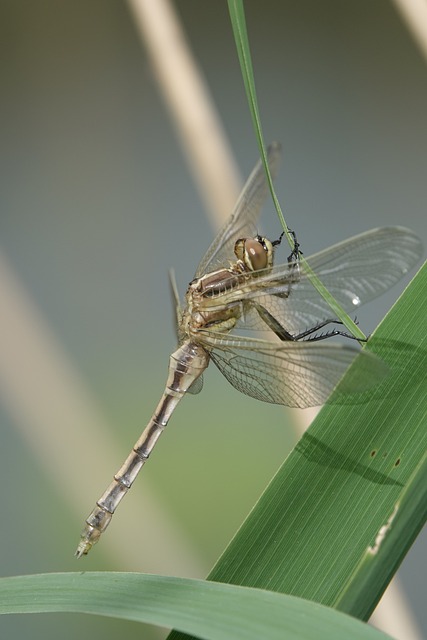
(258, 253)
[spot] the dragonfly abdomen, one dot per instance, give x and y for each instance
(187, 363)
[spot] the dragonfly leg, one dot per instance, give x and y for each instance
(329, 334)
(296, 251)
(293, 258)
(306, 335)
(293, 263)
(273, 324)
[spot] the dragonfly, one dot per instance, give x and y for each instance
(238, 290)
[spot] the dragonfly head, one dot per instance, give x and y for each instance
(255, 253)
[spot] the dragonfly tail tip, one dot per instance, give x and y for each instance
(82, 549)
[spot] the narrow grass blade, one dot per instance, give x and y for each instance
(339, 516)
(237, 16)
(205, 609)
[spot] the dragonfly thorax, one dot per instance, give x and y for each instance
(254, 253)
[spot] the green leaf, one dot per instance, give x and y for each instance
(339, 516)
(205, 609)
(238, 22)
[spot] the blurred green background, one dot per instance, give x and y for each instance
(97, 203)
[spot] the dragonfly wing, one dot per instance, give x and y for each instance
(354, 271)
(196, 386)
(295, 374)
(175, 300)
(367, 265)
(241, 223)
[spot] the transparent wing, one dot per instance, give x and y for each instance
(295, 374)
(173, 288)
(197, 386)
(241, 223)
(354, 271)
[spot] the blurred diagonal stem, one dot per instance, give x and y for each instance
(414, 14)
(190, 106)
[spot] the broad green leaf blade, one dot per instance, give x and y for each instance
(238, 22)
(355, 481)
(205, 609)
(392, 541)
